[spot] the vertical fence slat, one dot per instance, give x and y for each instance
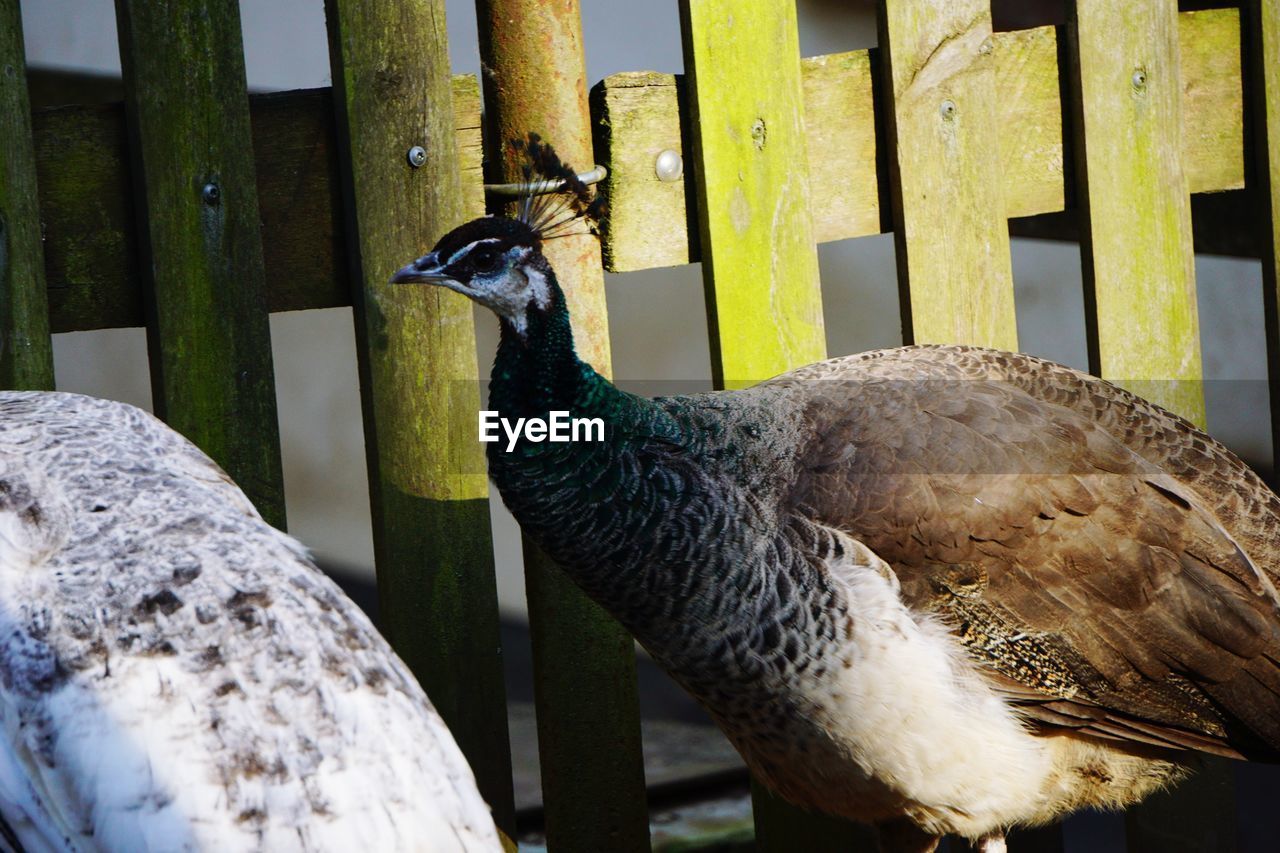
(1260, 40)
(418, 372)
(188, 117)
(1138, 262)
(951, 231)
(1135, 206)
(950, 226)
(759, 259)
(583, 661)
(26, 354)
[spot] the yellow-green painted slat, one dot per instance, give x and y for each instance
(26, 355)
(1136, 244)
(418, 373)
(200, 247)
(1261, 43)
(759, 259)
(760, 262)
(949, 213)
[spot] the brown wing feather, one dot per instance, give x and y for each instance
(1063, 537)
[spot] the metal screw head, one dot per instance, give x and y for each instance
(417, 156)
(947, 109)
(669, 166)
(1139, 79)
(211, 194)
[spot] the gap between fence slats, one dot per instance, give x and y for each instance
(1261, 45)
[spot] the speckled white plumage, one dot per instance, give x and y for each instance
(175, 674)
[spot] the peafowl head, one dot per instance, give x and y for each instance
(497, 260)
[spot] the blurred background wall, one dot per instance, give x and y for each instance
(657, 318)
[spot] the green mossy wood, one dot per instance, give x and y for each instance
(197, 207)
(418, 372)
(583, 661)
(949, 216)
(641, 115)
(26, 353)
(759, 257)
(90, 228)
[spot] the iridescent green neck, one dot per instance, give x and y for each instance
(538, 371)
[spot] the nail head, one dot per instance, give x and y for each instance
(669, 166)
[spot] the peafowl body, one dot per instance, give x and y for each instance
(176, 675)
(942, 587)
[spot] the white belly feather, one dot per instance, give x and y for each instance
(916, 717)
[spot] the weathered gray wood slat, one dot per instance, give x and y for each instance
(202, 271)
(585, 692)
(418, 373)
(950, 219)
(26, 354)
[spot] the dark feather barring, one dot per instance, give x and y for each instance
(552, 213)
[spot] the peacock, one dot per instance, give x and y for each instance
(177, 675)
(941, 589)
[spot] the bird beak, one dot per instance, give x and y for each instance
(425, 269)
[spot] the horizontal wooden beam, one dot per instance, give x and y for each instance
(640, 115)
(88, 217)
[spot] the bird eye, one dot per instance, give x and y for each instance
(484, 259)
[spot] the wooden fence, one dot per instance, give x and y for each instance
(194, 210)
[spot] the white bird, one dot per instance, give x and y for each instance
(175, 674)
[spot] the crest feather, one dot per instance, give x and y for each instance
(552, 212)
